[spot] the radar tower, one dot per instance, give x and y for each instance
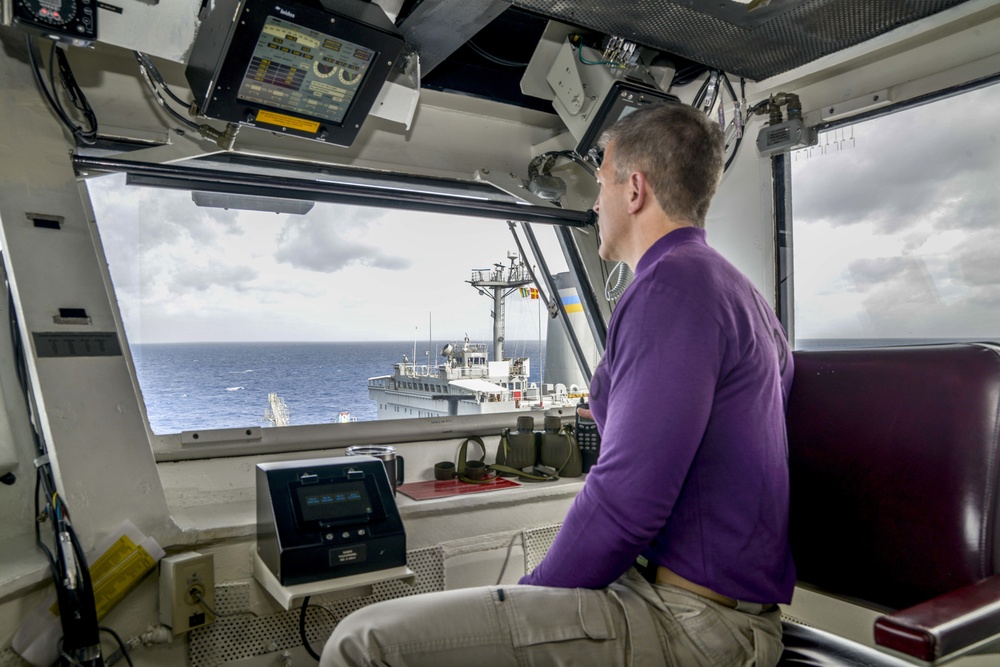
(497, 283)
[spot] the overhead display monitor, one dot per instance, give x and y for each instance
(295, 68)
(622, 98)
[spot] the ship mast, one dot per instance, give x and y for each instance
(497, 283)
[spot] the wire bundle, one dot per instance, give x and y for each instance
(86, 135)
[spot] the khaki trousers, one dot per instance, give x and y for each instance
(631, 622)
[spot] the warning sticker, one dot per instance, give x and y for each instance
(290, 122)
(115, 573)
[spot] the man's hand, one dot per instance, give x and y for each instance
(585, 413)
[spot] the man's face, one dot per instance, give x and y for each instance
(611, 208)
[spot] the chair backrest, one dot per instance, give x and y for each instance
(894, 458)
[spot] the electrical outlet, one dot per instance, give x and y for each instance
(187, 591)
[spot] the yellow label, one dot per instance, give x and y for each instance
(111, 589)
(291, 122)
(115, 573)
(110, 559)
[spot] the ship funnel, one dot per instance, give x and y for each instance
(561, 366)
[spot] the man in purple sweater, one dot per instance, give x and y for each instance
(675, 552)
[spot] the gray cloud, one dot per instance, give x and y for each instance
(203, 279)
(902, 298)
(929, 163)
(979, 259)
(162, 221)
(893, 283)
(327, 247)
(929, 178)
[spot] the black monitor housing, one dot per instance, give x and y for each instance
(308, 69)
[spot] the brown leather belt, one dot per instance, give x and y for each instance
(666, 576)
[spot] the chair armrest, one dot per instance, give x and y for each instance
(945, 624)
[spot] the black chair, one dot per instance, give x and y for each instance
(895, 478)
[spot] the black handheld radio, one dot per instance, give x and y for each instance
(587, 437)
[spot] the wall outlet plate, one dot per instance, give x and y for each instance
(187, 591)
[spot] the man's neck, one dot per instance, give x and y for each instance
(648, 232)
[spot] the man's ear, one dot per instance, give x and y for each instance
(636, 191)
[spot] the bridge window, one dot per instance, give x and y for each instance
(896, 232)
(223, 308)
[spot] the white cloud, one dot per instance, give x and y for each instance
(184, 273)
(331, 245)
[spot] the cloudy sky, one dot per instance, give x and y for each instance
(897, 234)
(184, 273)
(897, 225)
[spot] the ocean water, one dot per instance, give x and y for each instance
(195, 386)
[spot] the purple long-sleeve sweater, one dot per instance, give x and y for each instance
(689, 400)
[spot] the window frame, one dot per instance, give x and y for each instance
(782, 185)
(346, 187)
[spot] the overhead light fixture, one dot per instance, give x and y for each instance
(251, 202)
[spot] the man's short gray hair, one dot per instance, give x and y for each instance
(680, 151)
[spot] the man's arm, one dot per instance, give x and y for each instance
(668, 353)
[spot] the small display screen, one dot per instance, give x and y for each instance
(304, 71)
(334, 502)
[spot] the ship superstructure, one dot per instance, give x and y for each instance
(467, 381)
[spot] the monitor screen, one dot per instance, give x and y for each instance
(334, 502)
(304, 71)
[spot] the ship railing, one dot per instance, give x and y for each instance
(414, 370)
(461, 373)
(500, 274)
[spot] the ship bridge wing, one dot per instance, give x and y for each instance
(475, 384)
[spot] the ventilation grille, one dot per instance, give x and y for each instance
(792, 34)
(536, 544)
(244, 636)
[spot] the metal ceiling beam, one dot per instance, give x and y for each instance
(437, 28)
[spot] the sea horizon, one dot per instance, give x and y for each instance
(214, 384)
(190, 386)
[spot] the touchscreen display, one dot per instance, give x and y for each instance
(304, 71)
(334, 502)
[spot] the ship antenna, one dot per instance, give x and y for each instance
(497, 285)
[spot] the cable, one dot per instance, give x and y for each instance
(69, 82)
(686, 75)
(144, 60)
(72, 89)
(729, 86)
(621, 275)
(579, 54)
(711, 84)
(302, 628)
(493, 59)
(121, 645)
(146, 71)
(197, 596)
(736, 125)
(716, 81)
(506, 560)
(38, 522)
